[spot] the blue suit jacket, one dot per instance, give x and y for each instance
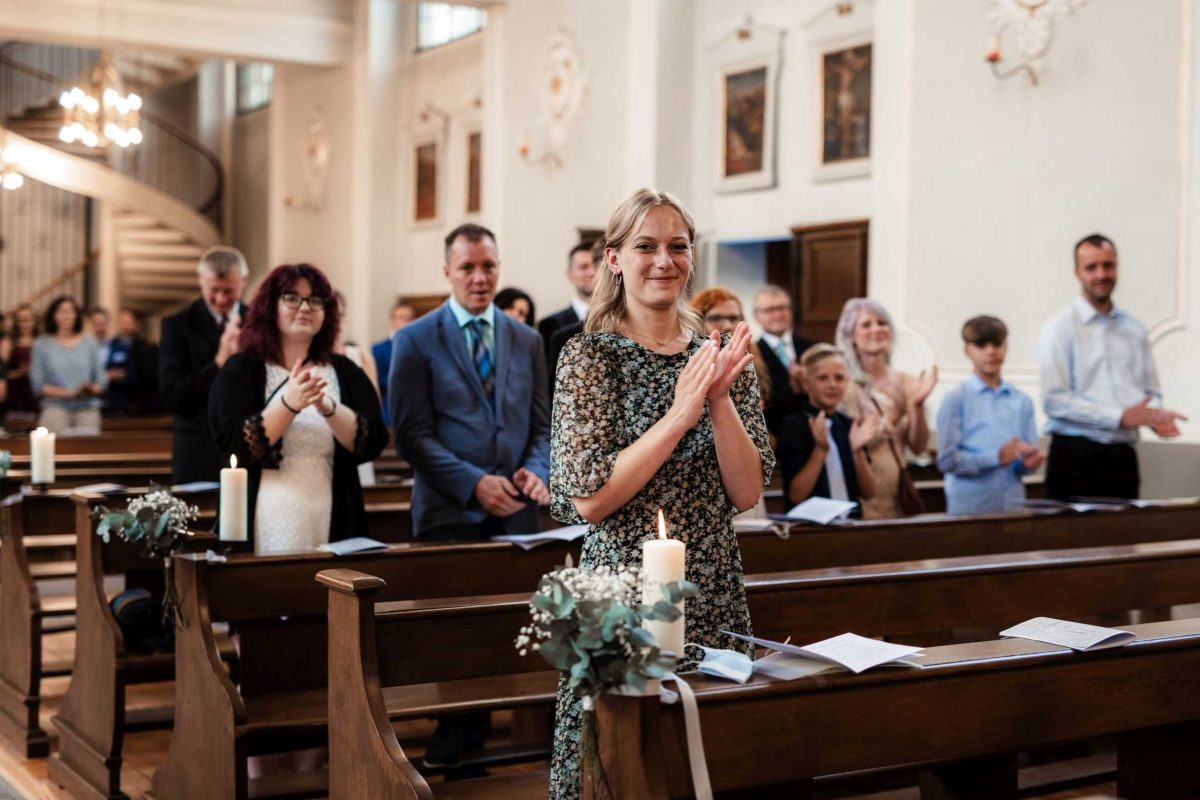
(446, 428)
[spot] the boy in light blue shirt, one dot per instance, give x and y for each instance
(986, 434)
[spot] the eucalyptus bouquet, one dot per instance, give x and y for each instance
(588, 625)
(158, 521)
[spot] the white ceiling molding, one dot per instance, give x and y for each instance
(260, 30)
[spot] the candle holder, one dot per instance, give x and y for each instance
(40, 488)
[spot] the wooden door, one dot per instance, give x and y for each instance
(827, 266)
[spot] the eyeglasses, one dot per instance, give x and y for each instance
(732, 319)
(294, 301)
(772, 309)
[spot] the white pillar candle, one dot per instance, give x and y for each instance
(41, 456)
(233, 502)
(663, 561)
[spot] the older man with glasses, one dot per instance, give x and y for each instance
(780, 349)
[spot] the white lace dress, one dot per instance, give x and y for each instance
(295, 501)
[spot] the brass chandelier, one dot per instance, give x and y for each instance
(97, 111)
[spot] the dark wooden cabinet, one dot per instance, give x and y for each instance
(822, 267)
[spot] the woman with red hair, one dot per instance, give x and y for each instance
(298, 416)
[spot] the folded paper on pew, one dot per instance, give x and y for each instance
(195, 486)
(822, 510)
(102, 488)
(1064, 633)
(777, 527)
(1165, 502)
(528, 541)
(358, 544)
(787, 667)
(849, 650)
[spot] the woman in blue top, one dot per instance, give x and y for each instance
(65, 371)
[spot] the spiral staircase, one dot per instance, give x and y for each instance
(161, 199)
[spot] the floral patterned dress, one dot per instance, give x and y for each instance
(611, 390)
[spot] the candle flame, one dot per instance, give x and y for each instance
(662, 525)
(41, 431)
(233, 462)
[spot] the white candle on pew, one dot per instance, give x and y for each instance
(663, 561)
(233, 502)
(41, 456)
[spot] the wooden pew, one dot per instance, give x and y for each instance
(217, 725)
(372, 668)
(36, 546)
(977, 703)
(940, 536)
(464, 659)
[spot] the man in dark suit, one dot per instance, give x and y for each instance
(781, 350)
(558, 340)
(196, 342)
(581, 272)
(469, 400)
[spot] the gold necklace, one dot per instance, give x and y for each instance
(662, 343)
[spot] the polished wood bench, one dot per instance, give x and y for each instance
(963, 716)
(370, 675)
(280, 702)
(35, 545)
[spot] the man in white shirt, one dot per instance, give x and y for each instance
(1099, 385)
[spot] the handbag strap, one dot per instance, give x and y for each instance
(891, 442)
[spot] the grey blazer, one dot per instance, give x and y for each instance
(447, 429)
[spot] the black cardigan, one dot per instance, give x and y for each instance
(235, 415)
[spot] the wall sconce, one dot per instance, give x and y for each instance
(1032, 25)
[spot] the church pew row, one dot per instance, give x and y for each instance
(373, 675)
(278, 708)
(460, 641)
(43, 529)
(963, 716)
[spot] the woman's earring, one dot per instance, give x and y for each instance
(617, 278)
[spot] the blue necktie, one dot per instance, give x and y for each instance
(481, 355)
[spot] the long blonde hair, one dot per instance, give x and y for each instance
(607, 309)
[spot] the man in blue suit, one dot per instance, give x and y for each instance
(469, 401)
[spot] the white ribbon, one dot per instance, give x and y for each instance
(695, 742)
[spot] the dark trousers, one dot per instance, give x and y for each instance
(465, 531)
(1079, 467)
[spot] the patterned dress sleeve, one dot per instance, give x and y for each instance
(749, 405)
(585, 431)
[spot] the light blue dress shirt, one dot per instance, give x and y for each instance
(1094, 366)
(973, 422)
(464, 317)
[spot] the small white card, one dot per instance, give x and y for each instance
(358, 544)
(528, 541)
(196, 486)
(102, 488)
(1074, 635)
(1165, 502)
(822, 510)
(855, 653)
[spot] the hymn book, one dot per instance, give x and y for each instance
(849, 651)
(822, 510)
(358, 544)
(528, 541)
(1074, 635)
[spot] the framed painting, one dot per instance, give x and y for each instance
(425, 182)
(745, 140)
(844, 137)
(474, 172)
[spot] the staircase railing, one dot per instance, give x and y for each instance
(70, 273)
(169, 158)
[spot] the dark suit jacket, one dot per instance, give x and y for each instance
(557, 342)
(450, 432)
(186, 371)
(783, 401)
(796, 445)
(549, 325)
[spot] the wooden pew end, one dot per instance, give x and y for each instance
(350, 581)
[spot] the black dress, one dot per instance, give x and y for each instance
(235, 415)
